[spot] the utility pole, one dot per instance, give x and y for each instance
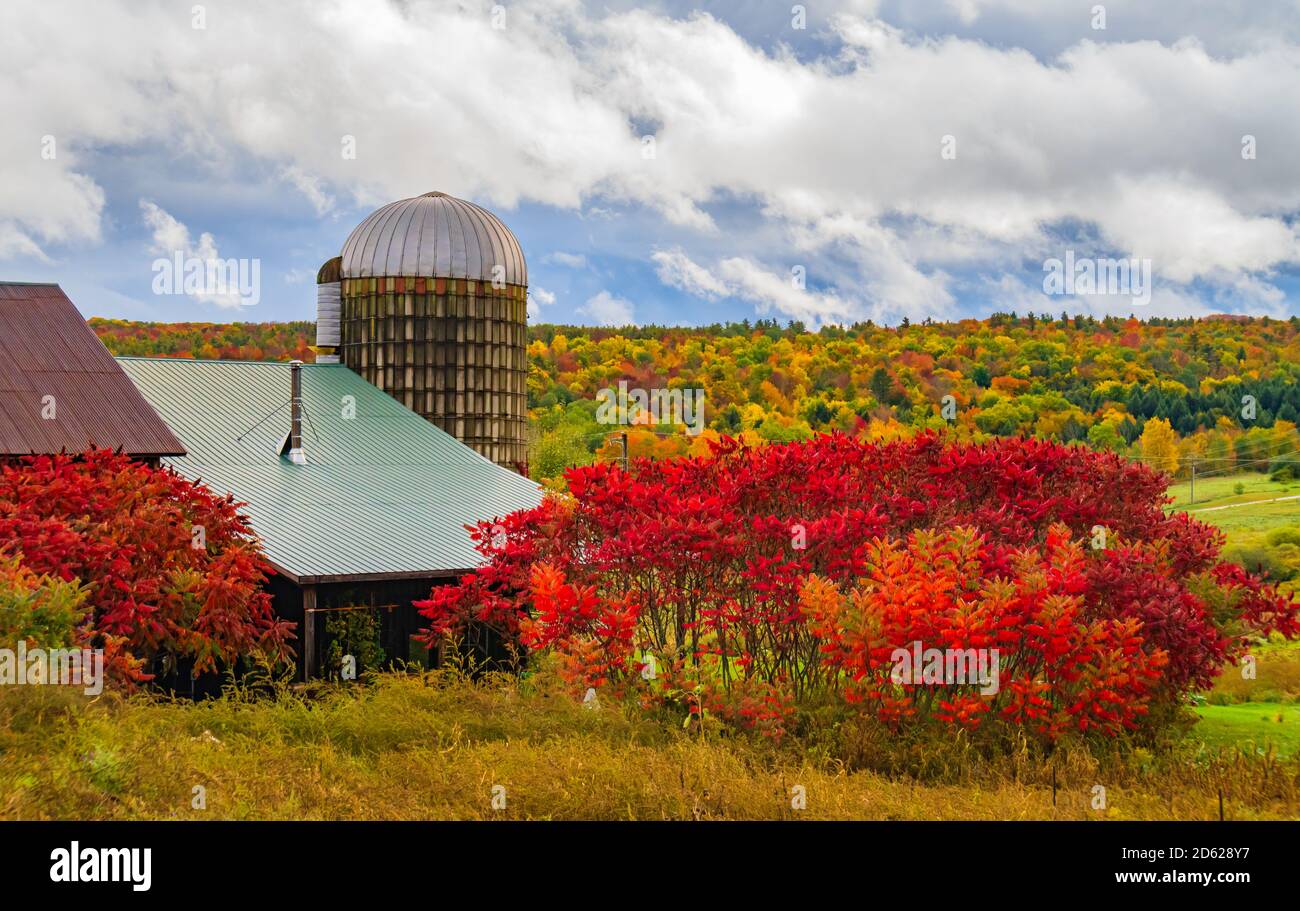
(1193, 494)
(622, 440)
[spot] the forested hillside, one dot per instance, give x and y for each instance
(1076, 378)
(1221, 391)
(234, 341)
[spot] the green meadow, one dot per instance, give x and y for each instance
(1258, 726)
(1260, 713)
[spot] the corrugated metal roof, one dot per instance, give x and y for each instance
(383, 493)
(46, 349)
(434, 235)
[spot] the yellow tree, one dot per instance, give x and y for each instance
(1159, 445)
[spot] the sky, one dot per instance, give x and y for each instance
(667, 163)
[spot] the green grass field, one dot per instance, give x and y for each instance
(1260, 725)
(1243, 523)
(1263, 711)
(1216, 490)
(1220, 491)
(1247, 520)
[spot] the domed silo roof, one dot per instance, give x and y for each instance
(434, 235)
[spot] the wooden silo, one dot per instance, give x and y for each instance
(433, 310)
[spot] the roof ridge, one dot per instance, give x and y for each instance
(213, 360)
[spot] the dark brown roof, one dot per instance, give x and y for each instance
(46, 349)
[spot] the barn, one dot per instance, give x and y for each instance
(360, 503)
(60, 389)
(361, 471)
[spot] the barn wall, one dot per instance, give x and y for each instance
(399, 619)
(399, 623)
(286, 600)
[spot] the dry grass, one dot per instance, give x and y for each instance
(1277, 678)
(434, 747)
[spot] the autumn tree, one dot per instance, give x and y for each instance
(1159, 445)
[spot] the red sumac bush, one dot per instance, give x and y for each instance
(169, 568)
(711, 555)
(1019, 644)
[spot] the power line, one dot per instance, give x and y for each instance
(1239, 463)
(1188, 458)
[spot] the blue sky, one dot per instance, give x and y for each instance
(920, 159)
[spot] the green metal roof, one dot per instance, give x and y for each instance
(384, 493)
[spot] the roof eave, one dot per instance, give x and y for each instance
(19, 454)
(329, 578)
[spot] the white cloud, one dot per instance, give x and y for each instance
(678, 270)
(16, 242)
(1048, 26)
(311, 187)
(966, 10)
(571, 260)
(538, 297)
(43, 202)
(168, 234)
(1135, 141)
(780, 292)
(171, 237)
(745, 279)
(608, 310)
(1192, 232)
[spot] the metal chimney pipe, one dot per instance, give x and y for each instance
(296, 455)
